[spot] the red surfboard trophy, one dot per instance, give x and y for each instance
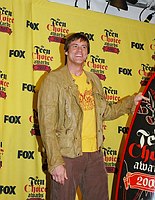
(136, 175)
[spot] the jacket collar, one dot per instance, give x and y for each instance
(69, 80)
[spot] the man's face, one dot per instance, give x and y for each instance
(77, 52)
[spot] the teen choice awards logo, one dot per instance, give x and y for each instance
(6, 20)
(111, 41)
(42, 59)
(4, 84)
(58, 30)
(110, 159)
(35, 188)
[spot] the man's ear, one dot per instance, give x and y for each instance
(66, 53)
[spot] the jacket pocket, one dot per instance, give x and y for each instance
(65, 139)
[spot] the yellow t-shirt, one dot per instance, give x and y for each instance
(89, 143)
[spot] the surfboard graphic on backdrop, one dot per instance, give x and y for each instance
(136, 176)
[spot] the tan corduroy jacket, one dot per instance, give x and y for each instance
(60, 115)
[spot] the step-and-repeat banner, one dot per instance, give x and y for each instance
(32, 34)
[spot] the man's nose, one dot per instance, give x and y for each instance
(79, 48)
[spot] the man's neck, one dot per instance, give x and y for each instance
(76, 70)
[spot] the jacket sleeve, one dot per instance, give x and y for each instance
(48, 117)
(124, 106)
(111, 112)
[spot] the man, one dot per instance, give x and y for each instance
(71, 108)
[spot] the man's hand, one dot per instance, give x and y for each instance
(139, 97)
(59, 174)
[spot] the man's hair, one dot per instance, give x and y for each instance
(76, 36)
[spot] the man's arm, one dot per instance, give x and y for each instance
(124, 106)
(48, 119)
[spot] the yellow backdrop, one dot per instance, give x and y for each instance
(31, 36)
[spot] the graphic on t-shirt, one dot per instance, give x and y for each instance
(86, 100)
